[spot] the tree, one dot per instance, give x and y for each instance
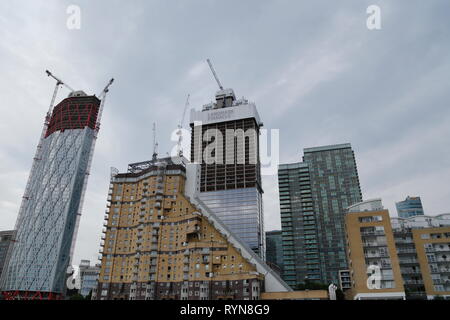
(76, 296)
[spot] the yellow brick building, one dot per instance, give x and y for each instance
(158, 245)
(372, 255)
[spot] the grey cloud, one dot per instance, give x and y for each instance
(312, 68)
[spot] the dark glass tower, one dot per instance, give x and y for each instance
(299, 226)
(313, 197)
(274, 250)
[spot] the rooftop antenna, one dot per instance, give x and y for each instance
(155, 144)
(214, 74)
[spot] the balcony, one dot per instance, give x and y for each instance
(373, 233)
(376, 255)
(409, 261)
(193, 229)
(416, 282)
(406, 251)
(375, 244)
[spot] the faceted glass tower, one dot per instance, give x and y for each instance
(225, 141)
(410, 207)
(48, 218)
(314, 195)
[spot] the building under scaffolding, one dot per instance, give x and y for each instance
(51, 207)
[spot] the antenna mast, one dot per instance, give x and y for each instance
(155, 144)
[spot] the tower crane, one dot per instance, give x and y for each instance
(155, 144)
(59, 81)
(180, 127)
(37, 156)
(214, 74)
(102, 97)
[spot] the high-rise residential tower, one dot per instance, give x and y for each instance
(48, 218)
(225, 142)
(313, 197)
(298, 224)
(410, 207)
(161, 242)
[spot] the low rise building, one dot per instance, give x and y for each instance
(372, 255)
(423, 245)
(89, 277)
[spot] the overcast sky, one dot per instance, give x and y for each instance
(313, 69)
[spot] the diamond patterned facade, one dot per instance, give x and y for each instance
(51, 207)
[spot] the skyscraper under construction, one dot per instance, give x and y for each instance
(225, 142)
(51, 207)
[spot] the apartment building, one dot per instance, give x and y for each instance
(160, 241)
(423, 246)
(372, 255)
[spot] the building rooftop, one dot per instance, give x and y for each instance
(329, 147)
(295, 165)
(367, 205)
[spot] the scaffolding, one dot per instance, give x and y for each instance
(49, 215)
